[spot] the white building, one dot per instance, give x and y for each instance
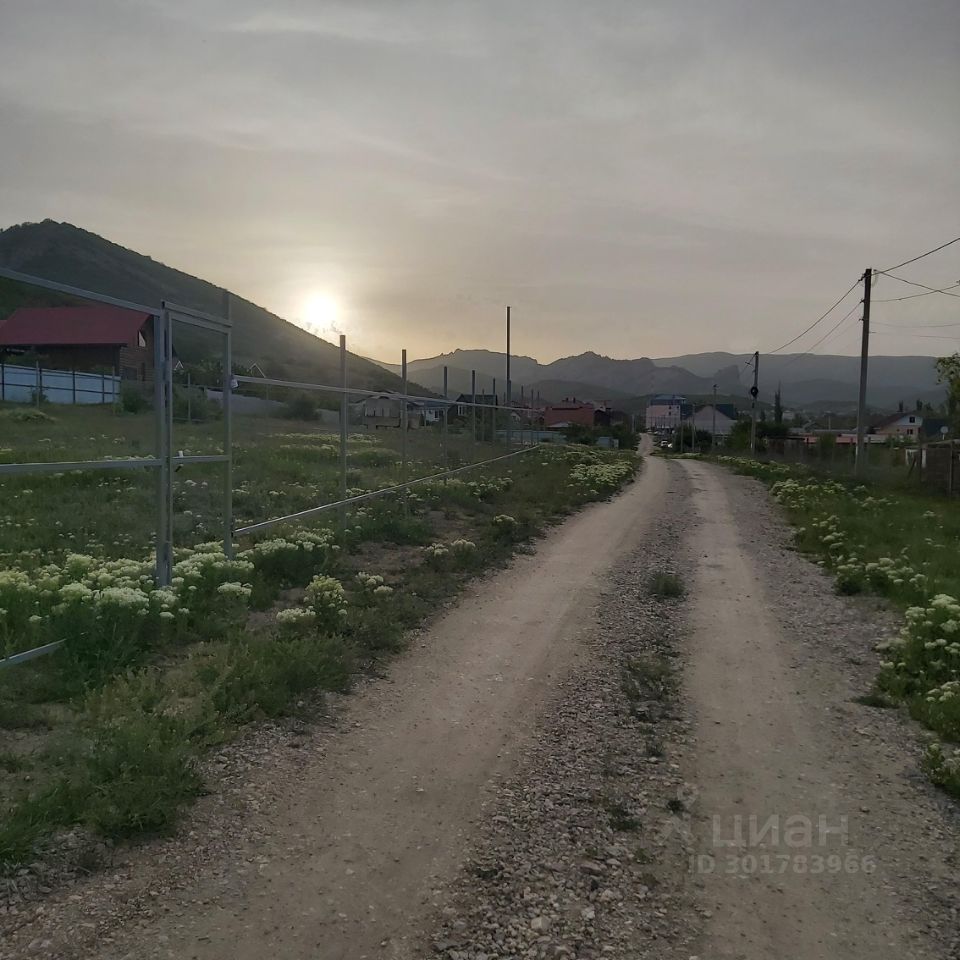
(665, 411)
(703, 419)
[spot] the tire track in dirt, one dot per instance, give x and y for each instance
(795, 820)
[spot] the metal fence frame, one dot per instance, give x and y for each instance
(165, 462)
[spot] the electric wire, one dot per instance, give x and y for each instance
(819, 319)
(922, 255)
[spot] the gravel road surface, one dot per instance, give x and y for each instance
(569, 764)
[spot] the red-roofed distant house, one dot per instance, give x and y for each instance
(98, 338)
(568, 412)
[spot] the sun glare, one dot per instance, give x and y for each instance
(321, 315)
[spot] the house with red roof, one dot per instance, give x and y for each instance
(88, 338)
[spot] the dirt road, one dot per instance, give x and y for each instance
(380, 819)
(526, 783)
(800, 814)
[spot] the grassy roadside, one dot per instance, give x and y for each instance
(904, 547)
(104, 737)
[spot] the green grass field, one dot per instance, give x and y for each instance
(906, 547)
(104, 735)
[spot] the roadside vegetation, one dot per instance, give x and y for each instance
(903, 546)
(104, 736)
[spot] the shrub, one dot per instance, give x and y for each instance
(103, 630)
(27, 415)
(301, 406)
(262, 676)
(943, 768)
(327, 599)
(132, 399)
(290, 563)
(140, 769)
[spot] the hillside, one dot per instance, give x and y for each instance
(807, 379)
(814, 378)
(588, 374)
(67, 254)
(459, 380)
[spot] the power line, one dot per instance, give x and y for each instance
(917, 336)
(819, 319)
(913, 283)
(911, 296)
(832, 330)
(918, 326)
(922, 255)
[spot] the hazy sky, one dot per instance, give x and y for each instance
(635, 178)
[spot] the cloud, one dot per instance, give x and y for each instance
(635, 179)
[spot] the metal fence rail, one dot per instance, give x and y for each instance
(372, 494)
(165, 462)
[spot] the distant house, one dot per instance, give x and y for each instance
(705, 419)
(432, 410)
(89, 338)
(385, 410)
(665, 411)
(605, 416)
(900, 426)
(488, 399)
(568, 412)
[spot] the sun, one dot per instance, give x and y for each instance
(321, 314)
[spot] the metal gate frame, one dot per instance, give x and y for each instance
(163, 461)
(171, 313)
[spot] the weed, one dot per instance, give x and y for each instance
(665, 585)
(13, 762)
(263, 676)
(874, 698)
(147, 679)
(647, 677)
(620, 817)
(139, 771)
(943, 769)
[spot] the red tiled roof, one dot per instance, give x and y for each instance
(71, 326)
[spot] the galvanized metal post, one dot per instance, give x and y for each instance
(73, 384)
(403, 427)
(3, 381)
(227, 428)
(161, 324)
(493, 414)
(523, 442)
(343, 430)
(473, 409)
(168, 391)
(509, 403)
(39, 389)
(190, 404)
(443, 434)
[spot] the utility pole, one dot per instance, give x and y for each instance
(754, 390)
(864, 355)
(509, 403)
(443, 433)
(713, 432)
